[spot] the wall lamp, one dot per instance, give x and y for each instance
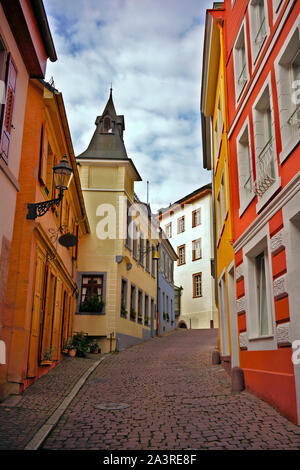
(62, 176)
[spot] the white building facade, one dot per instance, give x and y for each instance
(188, 226)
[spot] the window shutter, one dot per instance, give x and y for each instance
(7, 124)
(36, 316)
(43, 156)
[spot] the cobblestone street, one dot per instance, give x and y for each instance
(177, 401)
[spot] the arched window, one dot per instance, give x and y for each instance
(107, 125)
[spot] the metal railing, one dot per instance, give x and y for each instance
(294, 119)
(265, 169)
(261, 33)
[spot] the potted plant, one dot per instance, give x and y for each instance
(47, 357)
(95, 347)
(92, 304)
(81, 343)
(71, 348)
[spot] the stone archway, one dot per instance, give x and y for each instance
(182, 324)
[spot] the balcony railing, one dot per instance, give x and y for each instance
(265, 169)
(294, 119)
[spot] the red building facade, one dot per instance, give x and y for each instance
(262, 56)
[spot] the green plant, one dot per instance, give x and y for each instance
(92, 304)
(81, 343)
(132, 313)
(48, 353)
(123, 310)
(94, 346)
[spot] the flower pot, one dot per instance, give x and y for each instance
(45, 363)
(72, 352)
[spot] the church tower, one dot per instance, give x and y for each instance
(117, 290)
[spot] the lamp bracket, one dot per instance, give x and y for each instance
(40, 208)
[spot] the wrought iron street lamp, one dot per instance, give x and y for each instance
(62, 176)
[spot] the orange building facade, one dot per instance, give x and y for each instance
(41, 289)
(262, 57)
(25, 46)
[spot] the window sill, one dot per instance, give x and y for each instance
(289, 147)
(90, 313)
(259, 338)
(268, 195)
(246, 204)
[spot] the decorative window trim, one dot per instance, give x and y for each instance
(259, 243)
(239, 90)
(80, 275)
(195, 275)
(194, 251)
(245, 201)
(178, 224)
(289, 138)
(260, 146)
(178, 254)
(255, 55)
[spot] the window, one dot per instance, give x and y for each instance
(264, 140)
(181, 224)
(241, 73)
(141, 260)
(124, 298)
(245, 173)
(219, 214)
(168, 230)
(146, 319)
(277, 4)
(132, 302)
(223, 199)
(91, 297)
(220, 123)
(262, 307)
(197, 249)
(8, 107)
(196, 217)
(197, 285)
(107, 125)
(153, 262)
(148, 255)
(140, 306)
(135, 241)
(128, 234)
(287, 69)
(259, 28)
(181, 255)
(43, 156)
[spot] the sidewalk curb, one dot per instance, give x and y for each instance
(46, 428)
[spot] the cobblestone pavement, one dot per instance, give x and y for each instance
(177, 399)
(22, 416)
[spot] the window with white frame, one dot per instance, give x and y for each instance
(218, 213)
(168, 230)
(220, 124)
(241, 72)
(277, 4)
(287, 68)
(223, 199)
(245, 173)
(259, 283)
(216, 139)
(259, 26)
(264, 141)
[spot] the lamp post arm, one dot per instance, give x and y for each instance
(40, 208)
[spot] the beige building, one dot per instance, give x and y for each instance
(117, 276)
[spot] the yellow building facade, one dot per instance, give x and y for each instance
(116, 269)
(217, 159)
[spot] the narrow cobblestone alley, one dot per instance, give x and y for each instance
(177, 400)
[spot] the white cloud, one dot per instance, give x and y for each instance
(151, 51)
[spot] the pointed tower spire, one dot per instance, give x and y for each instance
(107, 141)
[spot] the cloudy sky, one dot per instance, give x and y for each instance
(151, 52)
